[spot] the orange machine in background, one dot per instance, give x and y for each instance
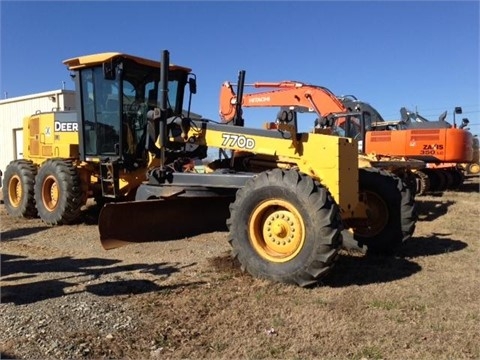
(441, 145)
(429, 145)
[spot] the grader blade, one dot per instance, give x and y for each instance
(160, 220)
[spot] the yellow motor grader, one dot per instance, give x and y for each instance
(287, 205)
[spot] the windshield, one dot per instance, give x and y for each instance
(114, 111)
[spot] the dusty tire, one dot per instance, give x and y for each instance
(391, 206)
(423, 182)
(285, 227)
(58, 193)
(18, 188)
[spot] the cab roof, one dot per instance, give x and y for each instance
(96, 59)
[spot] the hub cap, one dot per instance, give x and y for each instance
(277, 231)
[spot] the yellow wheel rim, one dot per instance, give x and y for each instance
(15, 191)
(50, 193)
(377, 215)
(474, 168)
(277, 230)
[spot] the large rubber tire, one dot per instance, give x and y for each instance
(58, 194)
(392, 212)
(18, 188)
(285, 227)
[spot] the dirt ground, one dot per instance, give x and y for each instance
(64, 297)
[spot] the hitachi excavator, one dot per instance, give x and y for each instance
(454, 151)
(287, 198)
(442, 146)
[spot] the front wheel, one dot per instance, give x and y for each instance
(58, 192)
(285, 227)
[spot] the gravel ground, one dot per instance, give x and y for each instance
(58, 281)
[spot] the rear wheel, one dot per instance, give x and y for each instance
(391, 213)
(58, 193)
(18, 188)
(285, 227)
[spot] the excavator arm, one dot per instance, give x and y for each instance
(296, 95)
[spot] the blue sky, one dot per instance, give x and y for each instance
(422, 54)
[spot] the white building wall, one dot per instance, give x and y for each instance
(13, 110)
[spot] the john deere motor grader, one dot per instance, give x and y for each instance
(285, 209)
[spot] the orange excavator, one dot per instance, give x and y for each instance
(441, 145)
(412, 150)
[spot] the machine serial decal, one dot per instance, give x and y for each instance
(432, 149)
(239, 141)
(66, 126)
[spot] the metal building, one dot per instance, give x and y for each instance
(12, 112)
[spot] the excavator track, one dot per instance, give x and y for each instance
(161, 220)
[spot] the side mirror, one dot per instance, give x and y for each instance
(192, 84)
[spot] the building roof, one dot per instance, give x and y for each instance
(37, 95)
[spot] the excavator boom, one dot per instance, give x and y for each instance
(288, 94)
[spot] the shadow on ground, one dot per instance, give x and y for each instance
(369, 269)
(38, 282)
(471, 184)
(429, 210)
(18, 233)
(436, 244)
(355, 269)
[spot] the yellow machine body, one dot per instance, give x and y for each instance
(49, 135)
(55, 135)
(330, 160)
